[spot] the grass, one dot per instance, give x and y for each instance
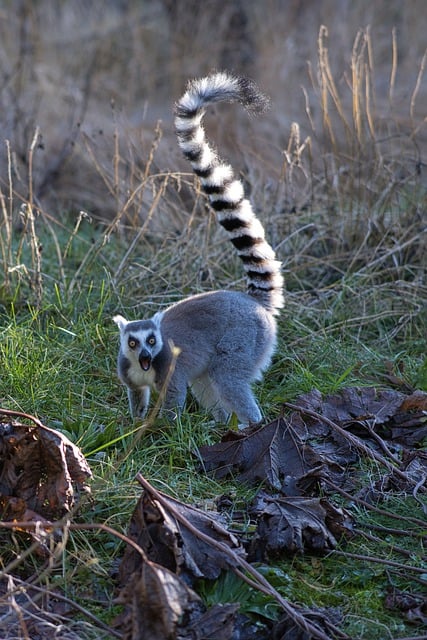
(44, 373)
(354, 257)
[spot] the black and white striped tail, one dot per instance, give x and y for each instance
(226, 195)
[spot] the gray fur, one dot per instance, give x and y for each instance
(217, 343)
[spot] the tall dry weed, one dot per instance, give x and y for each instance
(336, 169)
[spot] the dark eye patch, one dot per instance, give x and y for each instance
(133, 342)
(151, 339)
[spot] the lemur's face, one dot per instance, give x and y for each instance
(140, 341)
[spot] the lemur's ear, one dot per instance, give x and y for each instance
(120, 321)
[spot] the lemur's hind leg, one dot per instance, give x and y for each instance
(207, 396)
(236, 396)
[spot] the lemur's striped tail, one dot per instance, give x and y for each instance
(234, 211)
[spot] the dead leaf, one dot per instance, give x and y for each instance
(353, 404)
(417, 402)
(409, 424)
(40, 470)
(286, 526)
(325, 619)
(166, 541)
(412, 606)
(218, 623)
(272, 453)
(388, 412)
(161, 510)
(159, 604)
(156, 603)
(341, 417)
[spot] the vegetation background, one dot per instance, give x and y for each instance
(99, 214)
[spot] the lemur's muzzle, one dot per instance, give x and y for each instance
(144, 359)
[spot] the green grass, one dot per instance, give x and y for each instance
(58, 362)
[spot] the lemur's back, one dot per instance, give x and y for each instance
(224, 339)
(234, 318)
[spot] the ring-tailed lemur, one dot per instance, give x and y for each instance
(225, 338)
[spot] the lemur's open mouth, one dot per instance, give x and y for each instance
(145, 362)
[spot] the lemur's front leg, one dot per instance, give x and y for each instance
(138, 401)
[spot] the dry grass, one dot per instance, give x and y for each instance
(97, 79)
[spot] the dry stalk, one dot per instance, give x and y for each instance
(329, 88)
(371, 507)
(36, 280)
(383, 561)
(91, 255)
(142, 229)
(357, 83)
(393, 66)
(392, 547)
(44, 592)
(46, 619)
(355, 441)
(62, 525)
(99, 170)
(82, 216)
(28, 217)
(415, 94)
(144, 179)
(6, 241)
(362, 87)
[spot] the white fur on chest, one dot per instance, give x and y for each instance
(139, 377)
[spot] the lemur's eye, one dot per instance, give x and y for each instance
(151, 340)
(132, 343)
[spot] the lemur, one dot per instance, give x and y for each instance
(225, 339)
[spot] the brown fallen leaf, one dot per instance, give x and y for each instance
(286, 526)
(324, 618)
(271, 453)
(166, 541)
(361, 430)
(156, 603)
(320, 440)
(41, 470)
(215, 550)
(412, 606)
(408, 425)
(354, 404)
(416, 402)
(218, 623)
(390, 413)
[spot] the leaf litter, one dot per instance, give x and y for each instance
(297, 524)
(294, 457)
(323, 437)
(203, 536)
(42, 473)
(43, 476)
(301, 460)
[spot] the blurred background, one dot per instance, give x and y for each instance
(91, 87)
